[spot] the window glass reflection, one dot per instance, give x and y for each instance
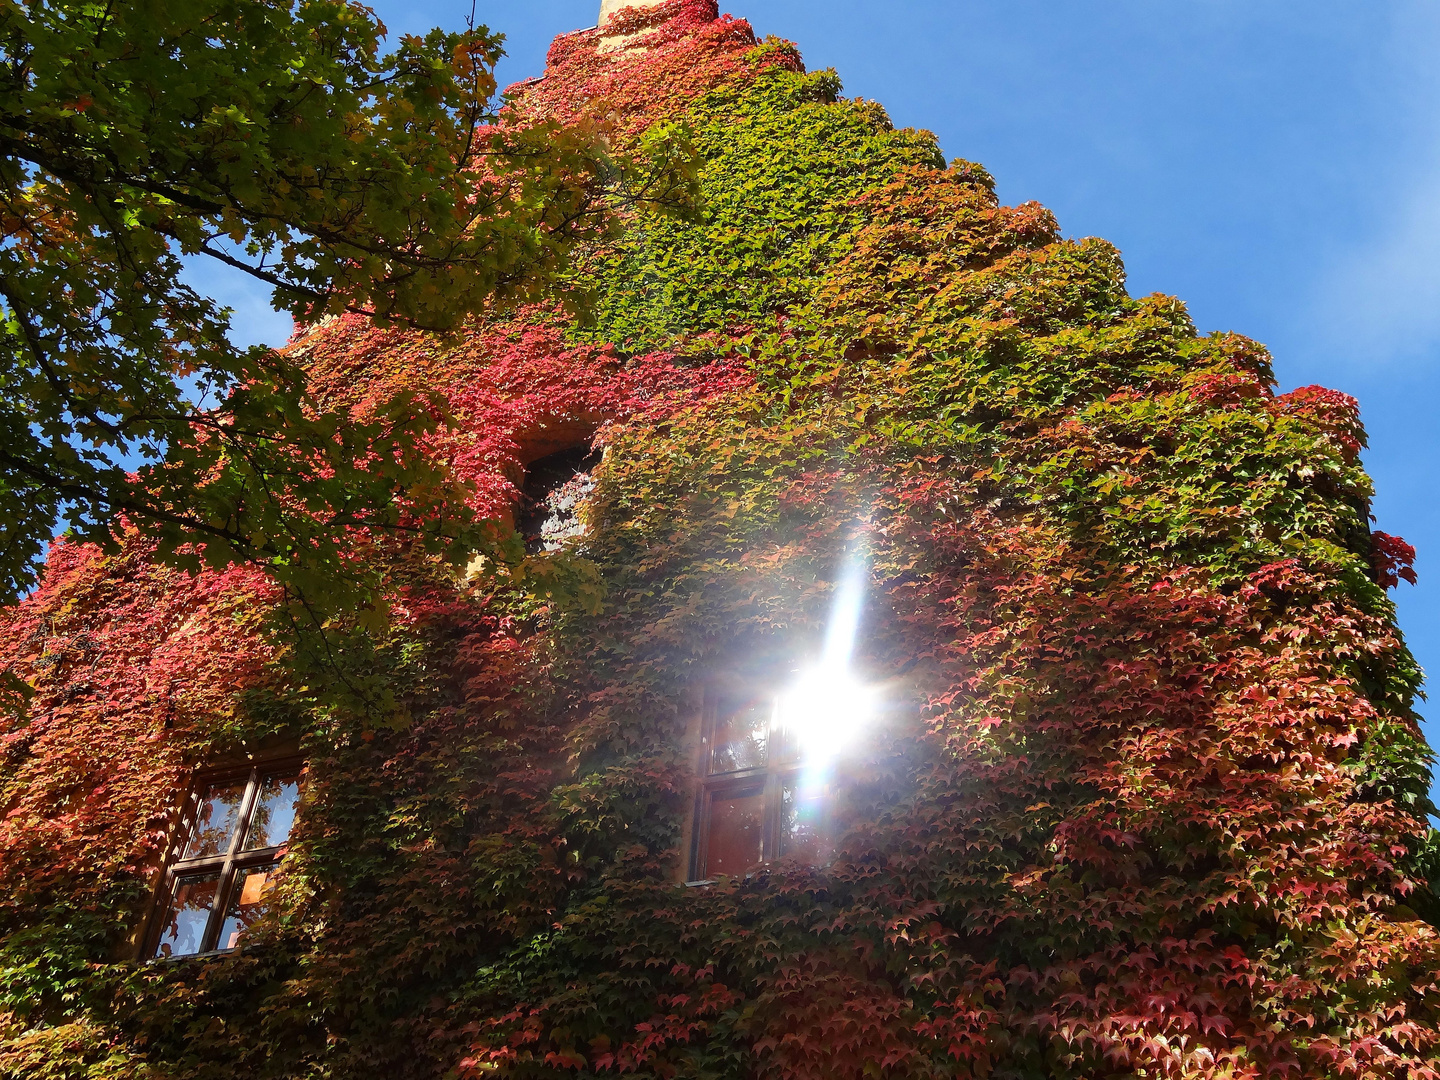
(553, 498)
(274, 814)
(768, 786)
(183, 933)
(248, 901)
(804, 835)
(737, 831)
(215, 823)
(742, 733)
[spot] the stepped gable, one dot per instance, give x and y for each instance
(1148, 796)
(672, 53)
(526, 389)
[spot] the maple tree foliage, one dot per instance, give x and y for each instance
(1149, 798)
(274, 137)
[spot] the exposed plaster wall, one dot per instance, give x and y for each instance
(609, 8)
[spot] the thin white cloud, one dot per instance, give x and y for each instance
(1379, 296)
(1384, 300)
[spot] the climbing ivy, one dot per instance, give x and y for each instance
(1148, 796)
(785, 162)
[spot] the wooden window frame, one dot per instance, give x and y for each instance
(770, 779)
(228, 864)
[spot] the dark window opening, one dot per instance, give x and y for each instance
(754, 804)
(552, 496)
(220, 881)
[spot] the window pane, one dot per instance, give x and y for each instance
(741, 734)
(803, 832)
(785, 745)
(248, 901)
(553, 497)
(274, 815)
(216, 821)
(736, 833)
(184, 931)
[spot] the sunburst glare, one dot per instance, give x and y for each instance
(828, 708)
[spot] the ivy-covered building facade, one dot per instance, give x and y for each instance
(930, 661)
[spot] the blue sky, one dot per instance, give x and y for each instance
(1275, 164)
